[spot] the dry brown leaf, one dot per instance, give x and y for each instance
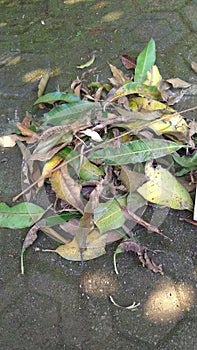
(31, 135)
(192, 131)
(194, 66)
(86, 224)
(131, 245)
(8, 140)
(43, 83)
(70, 226)
(178, 83)
(131, 179)
(118, 76)
(128, 61)
(132, 216)
(49, 154)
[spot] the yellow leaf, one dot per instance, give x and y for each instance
(95, 248)
(170, 123)
(163, 189)
(88, 63)
(153, 76)
(43, 83)
(48, 167)
(66, 188)
(138, 103)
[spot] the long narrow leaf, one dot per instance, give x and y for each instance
(145, 61)
(53, 97)
(136, 151)
(68, 113)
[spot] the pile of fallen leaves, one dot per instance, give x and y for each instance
(99, 155)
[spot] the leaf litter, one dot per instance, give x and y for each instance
(101, 152)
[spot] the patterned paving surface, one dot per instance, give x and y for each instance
(47, 309)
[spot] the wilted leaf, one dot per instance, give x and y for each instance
(32, 234)
(20, 215)
(56, 96)
(194, 66)
(134, 217)
(43, 83)
(46, 144)
(8, 140)
(57, 236)
(29, 240)
(32, 136)
(128, 61)
(131, 245)
(131, 179)
(145, 61)
(66, 188)
(88, 63)
(108, 216)
(93, 134)
(49, 154)
(167, 95)
(136, 151)
(163, 189)
(86, 224)
(118, 76)
(178, 83)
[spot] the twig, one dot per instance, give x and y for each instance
(188, 110)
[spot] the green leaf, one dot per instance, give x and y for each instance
(53, 97)
(109, 216)
(89, 171)
(61, 218)
(186, 162)
(136, 151)
(71, 112)
(20, 215)
(145, 61)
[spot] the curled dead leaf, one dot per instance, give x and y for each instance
(8, 140)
